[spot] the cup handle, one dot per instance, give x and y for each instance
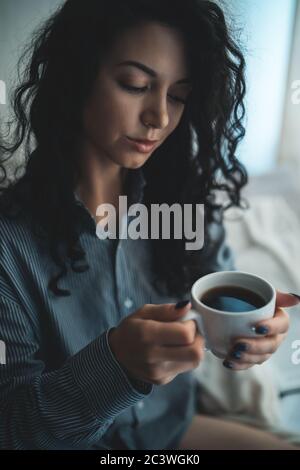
(194, 315)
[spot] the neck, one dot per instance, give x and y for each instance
(101, 181)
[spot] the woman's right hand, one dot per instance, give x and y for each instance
(153, 345)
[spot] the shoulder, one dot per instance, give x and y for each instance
(11, 224)
(16, 233)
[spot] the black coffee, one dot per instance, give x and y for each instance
(232, 299)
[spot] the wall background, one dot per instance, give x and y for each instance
(18, 18)
(290, 142)
(267, 31)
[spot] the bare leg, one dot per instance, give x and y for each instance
(206, 433)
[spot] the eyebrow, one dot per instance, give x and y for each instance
(149, 71)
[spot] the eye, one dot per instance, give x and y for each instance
(140, 90)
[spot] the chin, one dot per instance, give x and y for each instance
(137, 165)
(135, 162)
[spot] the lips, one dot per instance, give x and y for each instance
(142, 146)
(144, 141)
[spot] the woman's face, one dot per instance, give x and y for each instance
(116, 111)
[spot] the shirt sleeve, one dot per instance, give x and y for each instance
(71, 407)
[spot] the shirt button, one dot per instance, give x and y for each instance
(140, 405)
(128, 303)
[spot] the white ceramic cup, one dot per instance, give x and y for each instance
(220, 327)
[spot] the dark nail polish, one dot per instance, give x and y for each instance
(236, 354)
(241, 347)
(295, 295)
(228, 364)
(181, 304)
(261, 330)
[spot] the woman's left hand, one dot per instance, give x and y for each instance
(247, 352)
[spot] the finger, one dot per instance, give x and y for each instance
(190, 354)
(166, 371)
(174, 333)
(163, 312)
(237, 366)
(276, 325)
(284, 299)
(179, 367)
(245, 348)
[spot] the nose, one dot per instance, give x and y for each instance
(156, 113)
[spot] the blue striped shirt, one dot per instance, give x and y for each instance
(61, 386)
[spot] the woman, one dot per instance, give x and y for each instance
(97, 357)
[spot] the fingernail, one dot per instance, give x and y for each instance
(228, 364)
(241, 347)
(181, 304)
(261, 330)
(236, 354)
(295, 295)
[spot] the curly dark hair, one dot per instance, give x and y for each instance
(198, 159)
